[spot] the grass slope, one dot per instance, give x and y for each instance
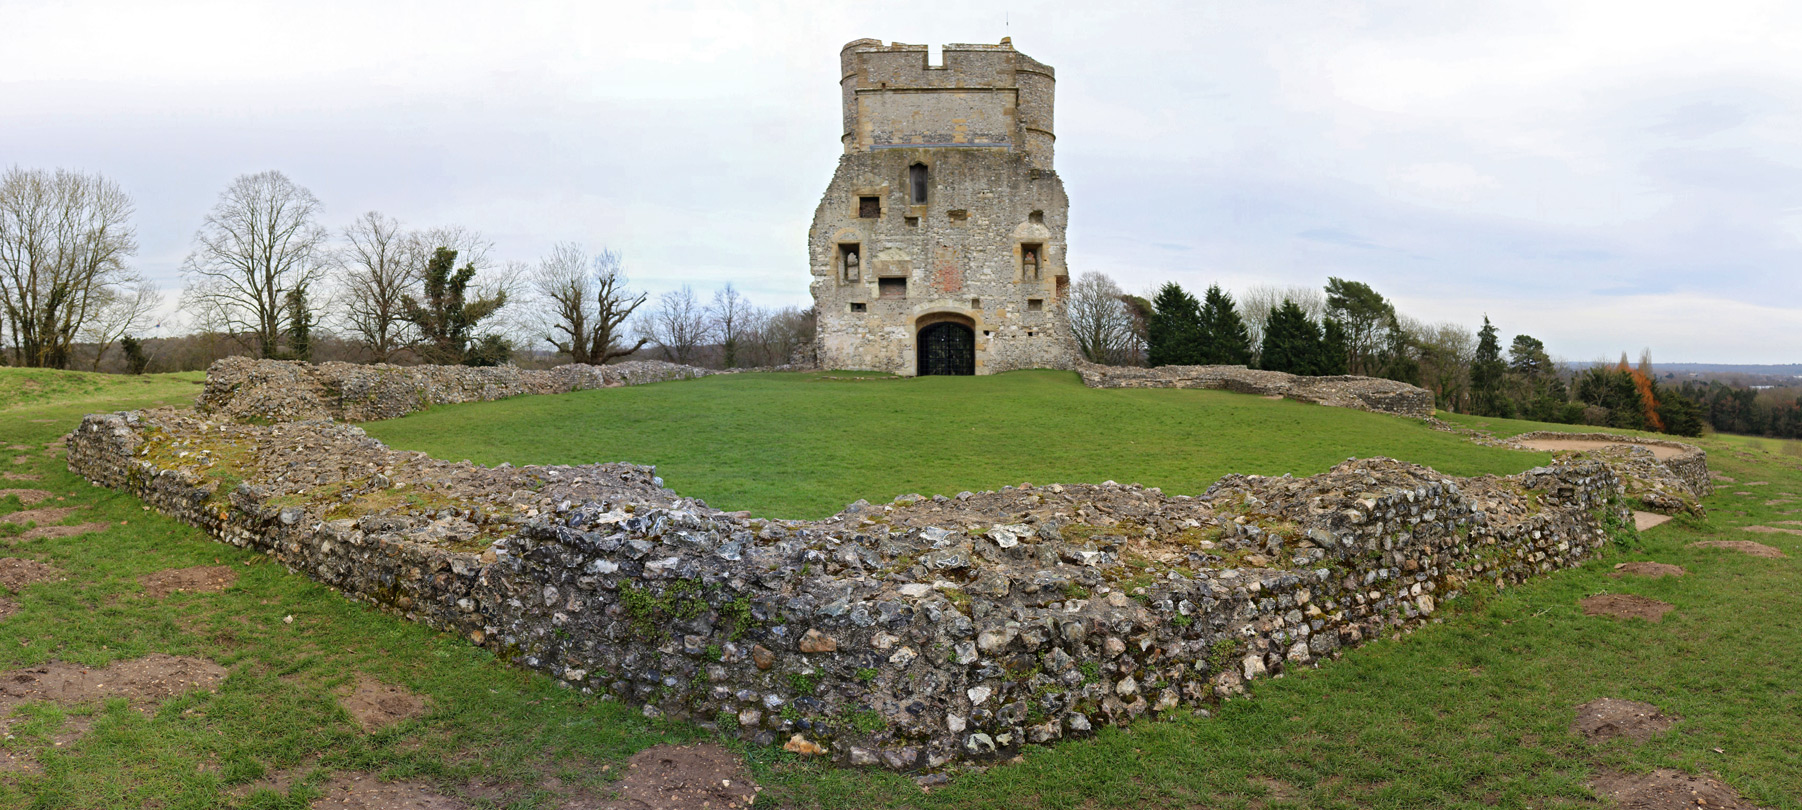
(802, 446)
(1469, 713)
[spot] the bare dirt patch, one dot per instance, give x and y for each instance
(376, 705)
(13, 476)
(1646, 520)
(1608, 718)
(7, 608)
(1741, 546)
(199, 579)
(1648, 569)
(26, 496)
(1625, 606)
(361, 791)
(1666, 789)
(16, 573)
(141, 681)
(1770, 530)
(1553, 445)
(672, 777)
(45, 515)
(53, 532)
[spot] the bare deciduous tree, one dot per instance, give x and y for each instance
(678, 325)
(1101, 320)
(1256, 303)
(123, 311)
(64, 238)
(729, 314)
(258, 243)
(376, 273)
(588, 303)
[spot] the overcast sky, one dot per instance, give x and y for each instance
(1603, 176)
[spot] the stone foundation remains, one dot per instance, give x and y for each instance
(244, 388)
(907, 635)
(1359, 393)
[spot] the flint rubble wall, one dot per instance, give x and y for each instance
(1360, 393)
(286, 391)
(243, 388)
(908, 635)
(1690, 466)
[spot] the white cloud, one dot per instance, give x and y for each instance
(1568, 157)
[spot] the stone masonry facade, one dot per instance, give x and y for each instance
(944, 209)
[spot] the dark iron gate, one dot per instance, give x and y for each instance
(947, 348)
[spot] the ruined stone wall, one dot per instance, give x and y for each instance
(283, 391)
(981, 97)
(1360, 393)
(907, 635)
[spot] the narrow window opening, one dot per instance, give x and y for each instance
(891, 287)
(1063, 286)
(1031, 257)
(916, 178)
(912, 222)
(976, 303)
(1036, 217)
(958, 214)
(869, 207)
(850, 267)
(859, 306)
(1035, 305)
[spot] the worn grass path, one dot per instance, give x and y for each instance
(1469, 713)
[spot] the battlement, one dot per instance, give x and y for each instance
(982, 96)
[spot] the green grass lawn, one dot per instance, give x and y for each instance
(1469, 713)
(798, 446)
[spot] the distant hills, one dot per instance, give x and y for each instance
(1783, 370)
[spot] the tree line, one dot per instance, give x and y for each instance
(266, 277)
(1347, 327)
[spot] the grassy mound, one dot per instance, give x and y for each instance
(804, 445)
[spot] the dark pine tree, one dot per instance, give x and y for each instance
(1173, 332)
(1332, 348)
(1292, 342)
(1486, 371)
(1225, 340)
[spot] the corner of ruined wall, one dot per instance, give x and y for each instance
(1358, 393)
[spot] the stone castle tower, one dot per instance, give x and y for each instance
(938, 248)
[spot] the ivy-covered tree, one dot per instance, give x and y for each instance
(1486, 371)
(1292, 342)
(300, 323)
(1224, 338)
(445, 319)
(1173, 332)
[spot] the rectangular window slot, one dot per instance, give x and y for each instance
(912, 222)
(892, 287)
(1063, 286)
(850, 264)
(1032, 257)
(1035, 305)
(869, 207)
(976, 303)
(859, 306)
(916, 178)
(958, 215)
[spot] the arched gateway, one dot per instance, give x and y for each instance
(947, 347)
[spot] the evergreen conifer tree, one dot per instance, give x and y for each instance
(1486, 370)
(1292, 342)
(1173, 332)
(1224, 338)
(1332, 349)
